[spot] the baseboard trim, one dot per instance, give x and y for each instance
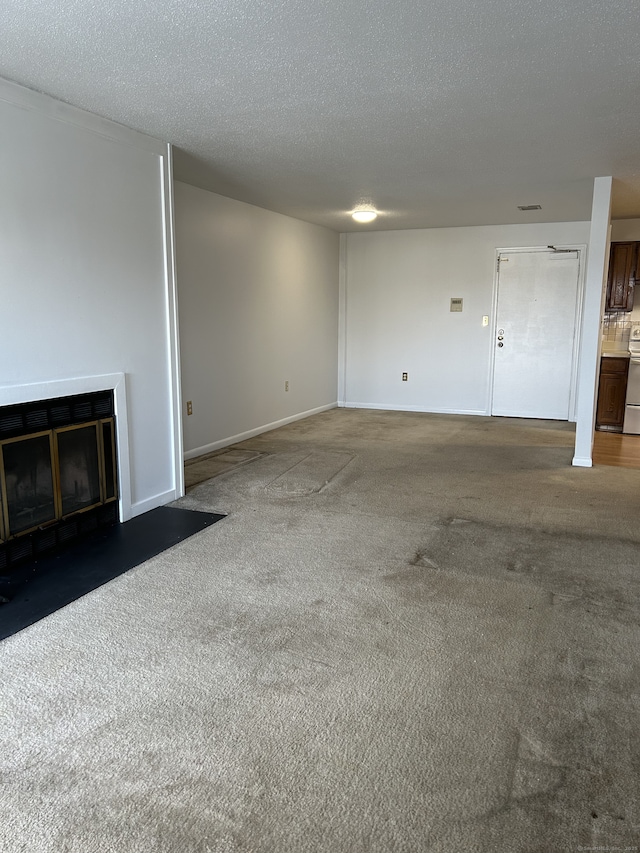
(388, 407)
(251, 433)
(582, 461)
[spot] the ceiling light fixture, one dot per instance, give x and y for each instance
(364, 215)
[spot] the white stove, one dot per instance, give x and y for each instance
(632, 407)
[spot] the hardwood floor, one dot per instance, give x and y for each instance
(612, 448)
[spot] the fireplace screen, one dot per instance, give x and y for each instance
(48, 476)
(109, 482)
(28, 483)
(79, 468)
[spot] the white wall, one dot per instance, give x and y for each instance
(86, 271)
(258, 295)
(397, 292)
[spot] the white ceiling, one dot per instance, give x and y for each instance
(439, 112)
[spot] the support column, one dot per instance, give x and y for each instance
(590, 344)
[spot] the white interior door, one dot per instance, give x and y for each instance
(535, 331)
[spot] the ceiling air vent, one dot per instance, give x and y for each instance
(529, 207)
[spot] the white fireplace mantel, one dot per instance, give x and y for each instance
(13, 394)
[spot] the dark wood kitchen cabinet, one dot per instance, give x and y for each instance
(623, 263)
(611, 393)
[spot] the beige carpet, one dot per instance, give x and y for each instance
(213, 464)
(411, 633)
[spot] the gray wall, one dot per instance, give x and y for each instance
(258, 297)
(86, 272)
(398, 286)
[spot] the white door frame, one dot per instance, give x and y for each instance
(581, 249)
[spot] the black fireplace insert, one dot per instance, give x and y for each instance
(58, 473)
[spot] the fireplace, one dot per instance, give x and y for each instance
(58, 473)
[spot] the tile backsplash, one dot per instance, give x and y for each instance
(616, 329)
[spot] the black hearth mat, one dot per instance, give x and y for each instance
(44, 586)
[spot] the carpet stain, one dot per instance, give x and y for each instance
(572, 570)
(311, 475)
(535, 772)
(421, 558)
(211, 465)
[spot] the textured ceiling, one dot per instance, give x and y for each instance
(439, 112)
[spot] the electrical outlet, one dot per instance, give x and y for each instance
(405, 377)
(286, 385)
(189, 407)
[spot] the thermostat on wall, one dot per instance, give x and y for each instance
(456, 304)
